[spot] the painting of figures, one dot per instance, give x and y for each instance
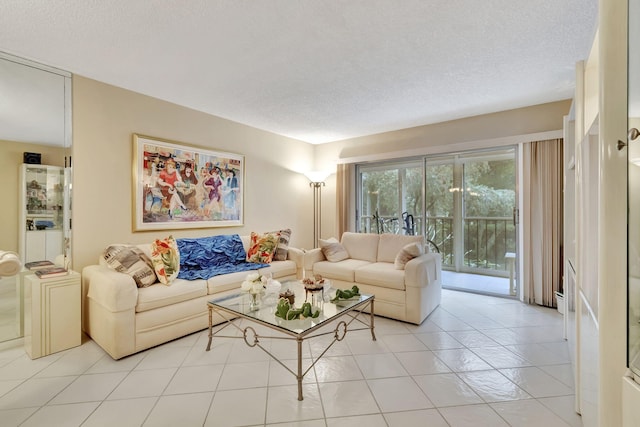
(178, 186)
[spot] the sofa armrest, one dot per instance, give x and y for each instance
(113, 290)
(423, 270)
(296, 255)
(312, 256)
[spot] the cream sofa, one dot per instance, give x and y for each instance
(409, 295)
(124, 319)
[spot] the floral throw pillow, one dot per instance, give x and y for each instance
(166, 259)
(262, 247)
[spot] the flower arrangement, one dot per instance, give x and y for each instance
(254, 283)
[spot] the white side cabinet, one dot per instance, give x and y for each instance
(52, 314)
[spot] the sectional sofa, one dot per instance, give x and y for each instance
(124, 319)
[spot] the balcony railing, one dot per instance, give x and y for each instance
(486, 239)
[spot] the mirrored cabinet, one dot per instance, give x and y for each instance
(35, 117)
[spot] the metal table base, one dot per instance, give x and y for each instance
(252, 338)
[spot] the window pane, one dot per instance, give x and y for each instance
(440, 193)
(391, 198)
(489, 199)
(379, 199)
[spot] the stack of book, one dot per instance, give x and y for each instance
(45, 273)
(45, 269)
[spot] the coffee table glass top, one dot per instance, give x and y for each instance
(240, 303)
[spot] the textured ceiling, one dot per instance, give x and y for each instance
(315, 70)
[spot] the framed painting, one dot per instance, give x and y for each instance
(177, 186)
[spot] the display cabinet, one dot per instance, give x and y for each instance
(41, 212)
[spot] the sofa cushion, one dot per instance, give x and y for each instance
(407, 253)
(158, 295)
(362, 246)
(225, 282)
(283, 244)
(262, 247)
(390, 245)
(279, 269)
(166, 259)
(153, 327)
(342, 270)
(132, 261)
(332, 250)
(382, 274)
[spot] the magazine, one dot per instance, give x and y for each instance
(51, 272)
(39, 265)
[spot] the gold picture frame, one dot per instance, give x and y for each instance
(178, 186)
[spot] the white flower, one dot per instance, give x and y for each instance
(253, 277)
(252, 283)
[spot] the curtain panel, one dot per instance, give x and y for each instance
(542, 220)
(344, 198)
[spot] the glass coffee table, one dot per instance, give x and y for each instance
(236, 306)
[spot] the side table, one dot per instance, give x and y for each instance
(52, 314)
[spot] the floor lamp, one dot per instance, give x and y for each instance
(316, 179)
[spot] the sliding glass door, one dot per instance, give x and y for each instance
(489, 211)
(464, 204)
(390, 196)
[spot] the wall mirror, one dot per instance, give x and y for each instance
(633, 251)
(35, 117)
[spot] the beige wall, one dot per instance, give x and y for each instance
(522, 121)
(457, 135)
(276, 194)
(104, 119)
(11, 156)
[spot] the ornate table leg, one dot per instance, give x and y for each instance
(299, 376)
(210, 328)
(371, 316)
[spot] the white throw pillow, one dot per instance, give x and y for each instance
(406, 254)
(333, 251)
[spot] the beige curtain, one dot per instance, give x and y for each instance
(542, 221)
(344, 198)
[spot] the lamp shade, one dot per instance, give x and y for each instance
(317, 176)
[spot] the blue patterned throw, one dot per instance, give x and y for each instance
(205, 257)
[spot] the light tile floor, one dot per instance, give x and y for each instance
(479, 283)
(9, 327)
(476, 361)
